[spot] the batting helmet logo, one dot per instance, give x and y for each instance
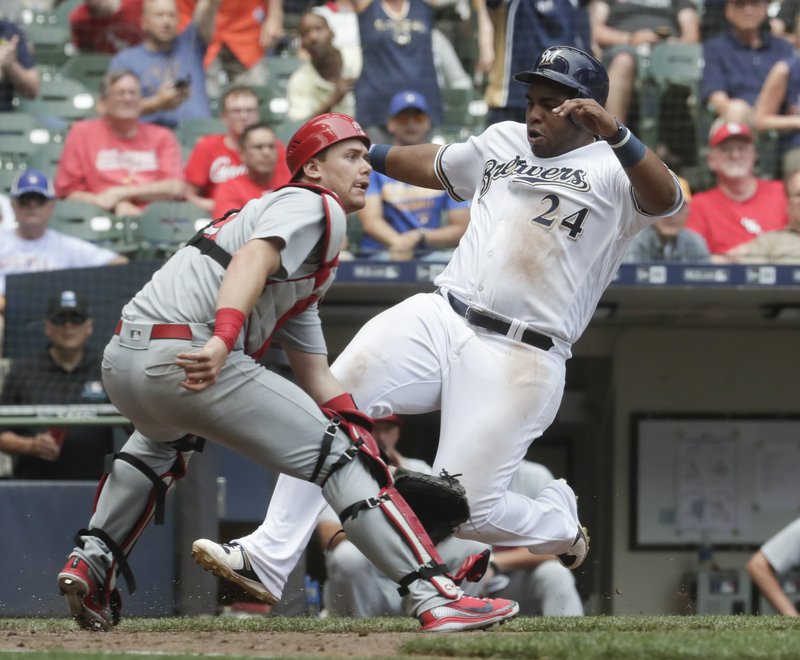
(571, 67)
(318, 134)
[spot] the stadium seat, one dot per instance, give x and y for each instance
(164, 227)
(46, 158)
(9, 171)
(669, 66)
(287, 128)
(51, 43)
(87, 68)
(60, 102)
(20, 135)
(190, 130)
(464, 114)
(91, 223)
(280, 70)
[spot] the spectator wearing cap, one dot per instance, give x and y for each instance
(402, 221)
(32, 246)
(741, 206)
(65, 372)
(778, 109)
(668, 240)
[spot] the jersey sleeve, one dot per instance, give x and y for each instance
(783, 550)
(457, 167)
(297, 217)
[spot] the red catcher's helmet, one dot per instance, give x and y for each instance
(320, 133)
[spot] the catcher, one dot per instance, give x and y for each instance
(182, 366)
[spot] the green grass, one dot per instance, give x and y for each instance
(584, 638)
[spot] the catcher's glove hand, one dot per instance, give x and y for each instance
(439, 502)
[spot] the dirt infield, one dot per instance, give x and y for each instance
(265, 644)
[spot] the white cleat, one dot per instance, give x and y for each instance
(230, 562)
(577, 553)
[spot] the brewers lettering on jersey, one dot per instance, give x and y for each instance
(554, 204)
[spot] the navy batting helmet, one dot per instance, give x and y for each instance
(573, 68)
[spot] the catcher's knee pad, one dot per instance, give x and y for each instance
(405, 522)
(156, 500)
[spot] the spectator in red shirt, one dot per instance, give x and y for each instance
(215, 158)
(117, 161)
(741, 206)
(244, 32)
(259, 152)
(106, 26)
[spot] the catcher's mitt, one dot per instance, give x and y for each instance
(439, 502)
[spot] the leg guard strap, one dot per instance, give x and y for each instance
(116, 551)
(189, 443)
(425, 572)
(159, 486)
(402, 517)
(325, 450)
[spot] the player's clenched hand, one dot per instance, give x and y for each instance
(590, 115)
(203, 367)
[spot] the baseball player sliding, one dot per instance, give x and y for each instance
(181, 366)
(554, 204)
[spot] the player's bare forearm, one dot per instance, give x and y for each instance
(762, 574)
(313, 374)
(414, 165)
(655, 187)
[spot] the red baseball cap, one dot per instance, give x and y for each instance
(729, 129)
(390, 419)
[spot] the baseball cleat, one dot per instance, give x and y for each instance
(577, 553)
(230, 562)
(89, 605)
(468, 613)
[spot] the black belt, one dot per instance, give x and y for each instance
(482, 320)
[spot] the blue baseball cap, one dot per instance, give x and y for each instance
(33, 181)
(408, 99)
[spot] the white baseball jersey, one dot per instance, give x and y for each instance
(53, 251)
(546, 235)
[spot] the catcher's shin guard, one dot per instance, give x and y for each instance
(411, 530)
(356, 425)
(154, 507)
